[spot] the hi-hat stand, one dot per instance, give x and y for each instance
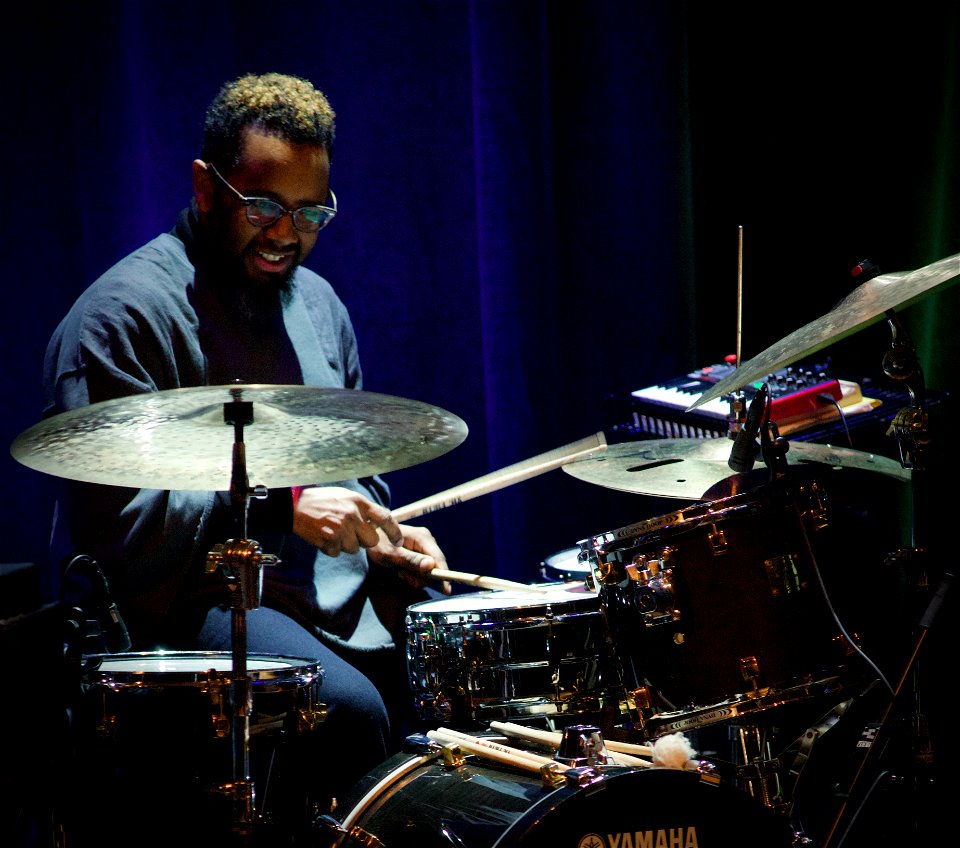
(241, 560)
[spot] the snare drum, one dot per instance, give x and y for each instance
(417, 800)
(155, 727)
(506, 654)
(721, 603)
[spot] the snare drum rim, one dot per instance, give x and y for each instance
(292, 668)
(513, 609)
(689, 518)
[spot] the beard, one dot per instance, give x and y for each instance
(254, 300)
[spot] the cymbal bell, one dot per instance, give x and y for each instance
(865, 305)
(177, 439)
(697, 470)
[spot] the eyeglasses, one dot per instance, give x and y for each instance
(263, 212)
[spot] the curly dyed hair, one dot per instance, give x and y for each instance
(282, 105)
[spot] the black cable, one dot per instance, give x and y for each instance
(828, 398)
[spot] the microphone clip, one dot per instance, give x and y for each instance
(745, 448)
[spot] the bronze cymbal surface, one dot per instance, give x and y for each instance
(865, 305)
(178, 439)
(696, 469)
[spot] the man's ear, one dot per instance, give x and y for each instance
(203, 185)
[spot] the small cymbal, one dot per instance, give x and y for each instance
(696, 469)
(865, 305)
(177, 439)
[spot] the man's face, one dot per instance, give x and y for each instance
(292, 175)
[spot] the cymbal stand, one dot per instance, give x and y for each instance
(241, 561)
(910, 427)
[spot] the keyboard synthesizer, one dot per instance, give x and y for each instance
(799, 397)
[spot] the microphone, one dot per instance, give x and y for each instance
(743, 454)
(116, 638)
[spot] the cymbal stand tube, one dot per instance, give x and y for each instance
(910, 427)
(241, 561)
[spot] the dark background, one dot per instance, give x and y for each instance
(540, 204)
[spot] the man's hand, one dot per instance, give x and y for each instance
(413, 559)
(338, 520)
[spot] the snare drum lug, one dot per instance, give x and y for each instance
(220, 725)
(750, 671)
(310, 719)
(106, 726)
(718, 541)
(219, 718)
(641, 698)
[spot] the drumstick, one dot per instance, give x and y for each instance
(501, 753)
(554, 738)
(504, 477)
(615, 750)
(481, 581)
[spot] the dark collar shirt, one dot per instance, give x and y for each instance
(158, 320)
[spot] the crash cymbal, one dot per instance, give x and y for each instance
(865, 305)
(696, 469)
(177, 439)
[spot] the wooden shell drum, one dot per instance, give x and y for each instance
(720, 607)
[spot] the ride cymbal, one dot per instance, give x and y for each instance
(696, 469)
(178, 439)
(865, 305)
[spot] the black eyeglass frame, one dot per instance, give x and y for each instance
(295, 214)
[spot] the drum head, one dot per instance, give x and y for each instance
(506, 604)
(565, 566)
(183, 666)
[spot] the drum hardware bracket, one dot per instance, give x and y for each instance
(582, 745)
(760, 770)
(718, 541)
(552, 777)
(453, 756)
(308, 720)
(580, 776)
(806, 744)
(783, 576)
(750, 672)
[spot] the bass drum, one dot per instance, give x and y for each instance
(417, 800)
